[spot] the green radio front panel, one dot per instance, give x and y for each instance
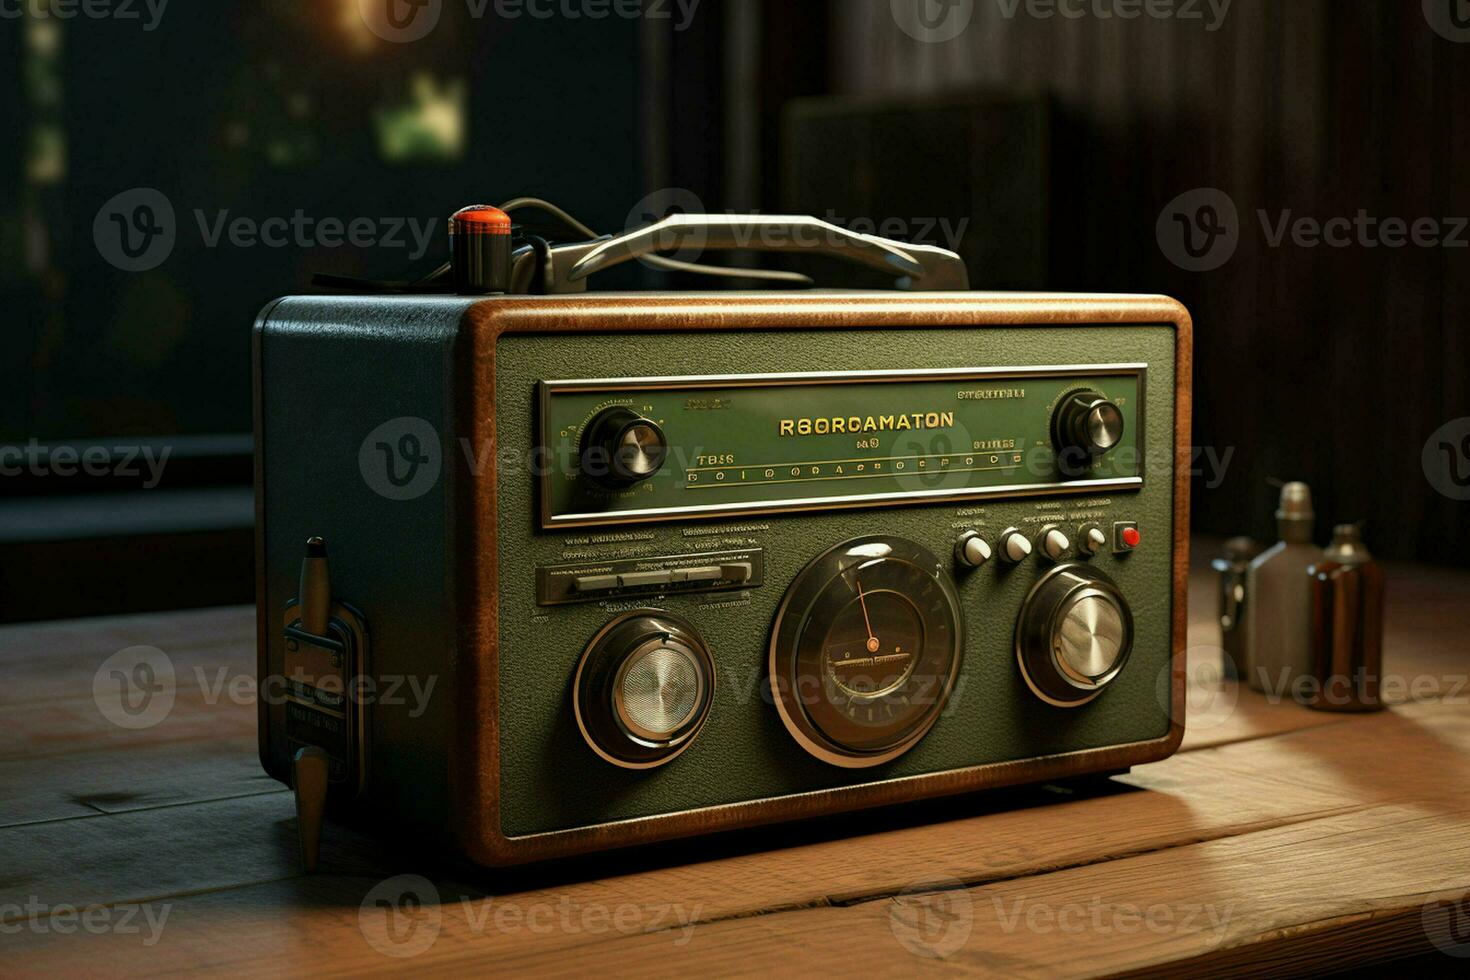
(752, 443)
(988, 394)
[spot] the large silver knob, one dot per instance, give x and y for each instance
(1074, 635)
(643, 689)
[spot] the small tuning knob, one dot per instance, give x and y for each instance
(972, 550)
(1091, 539)
(1085, 426)
(1054, 544)
(621, 448)
(1014, 547)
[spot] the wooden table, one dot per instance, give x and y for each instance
(1279, 839)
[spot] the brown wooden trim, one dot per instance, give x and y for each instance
(475, 770)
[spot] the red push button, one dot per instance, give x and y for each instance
(1126, 537)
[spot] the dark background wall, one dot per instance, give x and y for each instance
(1332, 365)
(1063, 142)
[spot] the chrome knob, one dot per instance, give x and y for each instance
(621, 448)
(643, 689)
(1086, 425)
(1074, 635)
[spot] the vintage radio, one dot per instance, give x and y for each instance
(592, 570)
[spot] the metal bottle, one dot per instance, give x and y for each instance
(1278, 618)
(1233, 567)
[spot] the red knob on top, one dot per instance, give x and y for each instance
(479, 219)
(480, 249)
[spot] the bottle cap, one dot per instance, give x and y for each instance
(1347, 546)
(1296, 503)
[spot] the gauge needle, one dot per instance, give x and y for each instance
(862, 601)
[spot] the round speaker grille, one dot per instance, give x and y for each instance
(660, 691)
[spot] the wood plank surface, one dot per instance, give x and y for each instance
(1280, 839)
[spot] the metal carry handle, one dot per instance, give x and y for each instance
(917, 267)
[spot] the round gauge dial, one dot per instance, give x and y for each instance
(865, 650)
